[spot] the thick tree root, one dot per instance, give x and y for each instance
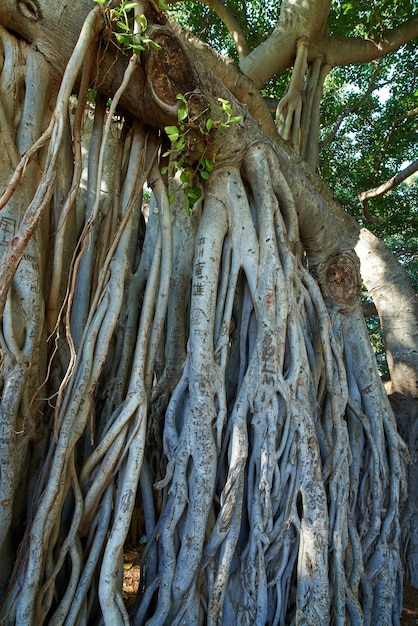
(220, 375)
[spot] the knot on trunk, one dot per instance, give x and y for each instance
(168, 70)
(342, 279)
(30, 10)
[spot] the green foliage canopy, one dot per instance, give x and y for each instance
(371, 109)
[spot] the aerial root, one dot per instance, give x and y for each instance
(279, 497)
(258, 396)
(272, 504)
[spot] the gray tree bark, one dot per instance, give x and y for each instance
(215, 368)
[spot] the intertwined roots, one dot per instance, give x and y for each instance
(196, 370)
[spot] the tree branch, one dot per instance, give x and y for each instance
(277, 52)
(350, 109)
(355, 50)
(404, 116)
(231, 23)
(389, 184)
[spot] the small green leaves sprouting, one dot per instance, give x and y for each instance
(181, 139)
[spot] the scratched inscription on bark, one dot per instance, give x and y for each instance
(198, 287)
(268, 359)
(7, 229)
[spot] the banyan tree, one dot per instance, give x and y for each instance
(182, 340)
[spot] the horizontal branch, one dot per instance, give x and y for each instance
(389, 184)
(355, 50)
(277, 52)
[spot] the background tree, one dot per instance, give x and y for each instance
(202, 364)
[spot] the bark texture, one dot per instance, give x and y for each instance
(213, 370)
(387, 283)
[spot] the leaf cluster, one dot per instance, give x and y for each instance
(120, 22)
(357, 18)
(376, 137)
(256, 19)
(182, 140)
(375, 140)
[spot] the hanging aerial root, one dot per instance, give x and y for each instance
(294, 388)
(282, 535)
(280, 499)
(379, 471)
(194, 448)
(40, 202)
(297, 115)
(289, 110)
(262, 479)
(73, 415)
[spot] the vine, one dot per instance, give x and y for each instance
(129, 38)
(183, 139)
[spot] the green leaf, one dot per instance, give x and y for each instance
(208, 164)
(172, 132)
(171, 198)
(186, 176)
(122, 26)
(182, 113)
(180, 145)
(182, 98)
(204, 174)
(123, 39)
(225, 106)
(164, 169)
(154, 44)
(209, 124)
(193, 193)
(143, 22)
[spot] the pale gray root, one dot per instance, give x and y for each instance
(284, 472)
(22, 299)
(297, 115)
(72, 417)
(387, 282)
(22, 329)
(288, 531)
(279, 500)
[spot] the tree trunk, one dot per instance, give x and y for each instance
(214, 368)
(387, 283)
